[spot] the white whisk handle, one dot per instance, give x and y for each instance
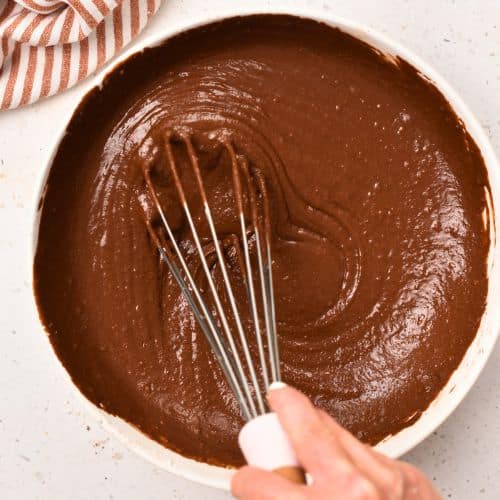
(265, 445)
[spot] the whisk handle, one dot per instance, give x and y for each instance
(265, 445)
(293, 474)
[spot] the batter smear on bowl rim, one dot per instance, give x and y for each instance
(379, 240)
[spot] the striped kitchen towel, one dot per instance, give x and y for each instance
(47, 46)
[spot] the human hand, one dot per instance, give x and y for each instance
(342, 468)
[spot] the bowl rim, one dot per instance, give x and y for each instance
(478, 352)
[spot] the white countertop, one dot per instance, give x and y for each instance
(51, 449)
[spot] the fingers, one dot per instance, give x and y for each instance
(316, 445)
(337, 461)
(327, 450)
(394, 479)
(384, 473)
(250, 483)
(418, 486)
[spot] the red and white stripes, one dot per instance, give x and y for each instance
(47, 46)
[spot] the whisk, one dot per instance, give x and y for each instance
(262, 440)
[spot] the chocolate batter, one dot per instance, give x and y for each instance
(379, 246)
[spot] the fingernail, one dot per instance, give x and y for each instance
(276, 385)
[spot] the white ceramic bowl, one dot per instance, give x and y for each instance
(477, 354)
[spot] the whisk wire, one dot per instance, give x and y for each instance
(227, 355)
(203, 317)
(249, 274)
(206, 269)
(273, 336)
(229, 289)
(264, 266)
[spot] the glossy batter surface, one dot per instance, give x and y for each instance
(379, 244)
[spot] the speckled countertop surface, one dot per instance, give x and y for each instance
(51, 449)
